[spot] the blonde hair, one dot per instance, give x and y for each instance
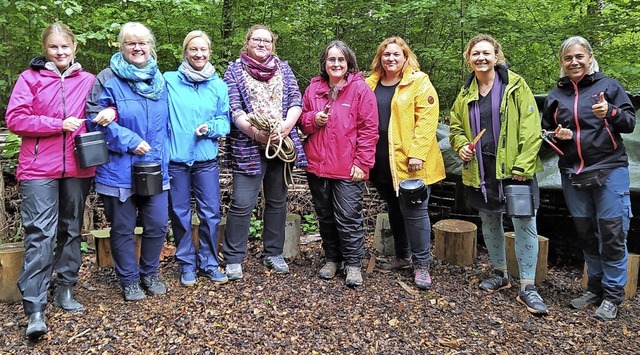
(411, 59)
(250, 32)
(136, 28)
(58, 29)
(572, 41)
(190, 36)
(500, 59)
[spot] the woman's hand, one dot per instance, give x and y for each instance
(70, 124)
(105, 117)
(321, 119)
(415, 164)
(261, 136)
(563, 134)
(600, 109)
(465, 153)
(142, 149)
(202, 130)
(518, 178)
(357, 174)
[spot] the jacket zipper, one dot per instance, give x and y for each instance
(613, 141)
(577, 123)
(64, 134)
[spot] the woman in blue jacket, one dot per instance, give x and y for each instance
(588, 112)
(198, 116)
(133, 92)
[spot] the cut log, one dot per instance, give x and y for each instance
(512, 262)
(103, 247)
(383, 237)
(632, 276)
(455, 241)
(11, 255)
(195, 223)
(291, 249)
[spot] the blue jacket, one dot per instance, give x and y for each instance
(138, 119)
(190, 105)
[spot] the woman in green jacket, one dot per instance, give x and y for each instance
(499, 102)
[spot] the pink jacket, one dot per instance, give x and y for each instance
(351, 133)
(41, 99)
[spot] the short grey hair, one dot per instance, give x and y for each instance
(571, 41)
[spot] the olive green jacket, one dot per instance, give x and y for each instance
(520, 132)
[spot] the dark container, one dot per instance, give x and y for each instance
(519, 201)
(147, 178)
(91, 149)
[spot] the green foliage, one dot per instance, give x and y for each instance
(309, 224)
(10, 150)
(84, 247)
(255, 227)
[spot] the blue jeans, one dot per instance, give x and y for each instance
(243, 200)
(203, 178)
(405, 217)
(601, 217)
(338, 205)
(154, 215)
(52, 212)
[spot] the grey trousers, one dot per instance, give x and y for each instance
(52, 211)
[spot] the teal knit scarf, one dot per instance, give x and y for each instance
(147, 81)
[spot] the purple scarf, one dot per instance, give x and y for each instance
(496, 98)
(259, 71)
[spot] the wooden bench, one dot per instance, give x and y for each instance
(512, 261)
(11, 255)
(103, 246)
(383, 237)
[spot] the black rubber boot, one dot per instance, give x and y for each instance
(64, 299)
(37, 326)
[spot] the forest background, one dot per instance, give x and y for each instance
(530, 31)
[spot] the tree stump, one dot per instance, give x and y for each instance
(195, 223)
(291, 249)
(455, 241)
(632, 276)
(11, 255)
(512, 261)
(383, 237)
(103, 246)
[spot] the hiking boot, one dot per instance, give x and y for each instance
(36, 326)
(216, 276)
(421, 277)
(587, 298)
(397, 264)
(188, 278)
(354, 276)
(234, 272)
(63, 298)
(276, 263)
(532, 300)
(154, 285)
(607, 311)
(133, 292)
(495, 282)
(328, 271)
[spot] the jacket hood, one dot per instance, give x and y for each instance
(501, 69)
(47, 68)
(38, 63)
(586, 80)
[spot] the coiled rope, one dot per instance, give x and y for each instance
(285, 149)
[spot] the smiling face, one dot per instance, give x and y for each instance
(197, 53)
(576, 62)
(393, 59)
(336, 65)
(260, 45)
(60, 50)
(482, 57)
(136, 48)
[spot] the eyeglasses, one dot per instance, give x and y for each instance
(132, 45)
(266, 42)
(333, 60)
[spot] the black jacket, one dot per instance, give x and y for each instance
(596, 143)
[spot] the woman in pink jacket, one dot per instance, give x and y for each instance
(46, 109)
(340, 117)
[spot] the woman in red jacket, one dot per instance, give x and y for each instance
(340, 117)
(47, 110)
